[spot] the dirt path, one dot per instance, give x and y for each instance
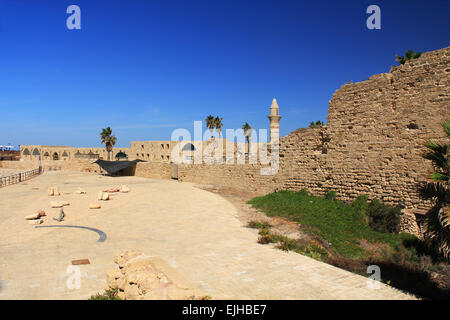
(199, 233)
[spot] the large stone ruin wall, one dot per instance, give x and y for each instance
(372, 143)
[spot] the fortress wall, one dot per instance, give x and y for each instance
(378, 128)
(241, 177)
(372, 143)
(154, 170)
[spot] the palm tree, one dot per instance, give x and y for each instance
(218, 124)
(409, 55)
(210, 124)
(247, 133)
(108, 139)
(437, 222)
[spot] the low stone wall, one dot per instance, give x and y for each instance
(50, 165)
(19, 165)
(17, 177)
(154, 170)
(241, 177)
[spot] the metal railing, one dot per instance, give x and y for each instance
(19, 177)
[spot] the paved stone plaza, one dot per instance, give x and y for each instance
(195, 231)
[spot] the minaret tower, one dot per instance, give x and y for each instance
(274, 118)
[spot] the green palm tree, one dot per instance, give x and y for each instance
(218, 124)
(437, 222)
(247, 132)
(210, 124)
(409, 55)
(108, 139)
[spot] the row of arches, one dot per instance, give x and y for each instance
(46, 156)
(49, 155)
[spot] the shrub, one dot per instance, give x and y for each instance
(360, 203)
(257, 225)
(383, 218)
(330, 195)
(110, 294)
(409, 55)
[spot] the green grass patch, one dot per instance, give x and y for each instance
(340, 224)
(354, 236)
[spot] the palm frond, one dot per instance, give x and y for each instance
(446, 126)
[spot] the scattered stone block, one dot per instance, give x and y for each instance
(61, 215)
(124, 189)
(59, 204)
(80, 191)
(33, 216)
(41, 213)
(53, 191)
(105, 196)
(36, 222)
(94, 206)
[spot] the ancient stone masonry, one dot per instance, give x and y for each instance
(372, 143)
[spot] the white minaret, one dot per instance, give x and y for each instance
(274, 118)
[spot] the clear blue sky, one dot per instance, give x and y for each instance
(148, 67)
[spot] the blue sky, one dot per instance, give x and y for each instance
(146, 68)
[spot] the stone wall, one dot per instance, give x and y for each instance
(371, 144)
(154, 170)
(373, 141)
(72, 165)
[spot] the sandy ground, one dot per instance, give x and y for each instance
(199, 233)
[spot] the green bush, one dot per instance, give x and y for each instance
(110, 294)
(383, 218)
(361, 203)
(257, 225)
(330, 195)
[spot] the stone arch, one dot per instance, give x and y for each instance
(55, 156)
(26, 152)
(188, 147)
(121, 155)
(36, 152)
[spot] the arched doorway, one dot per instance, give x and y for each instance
(55, 156)
(188, 152)
(36, 153)
(26, 153)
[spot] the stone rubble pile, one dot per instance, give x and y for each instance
(141, 277)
